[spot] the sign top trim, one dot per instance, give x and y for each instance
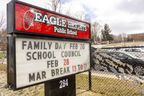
(31, 19)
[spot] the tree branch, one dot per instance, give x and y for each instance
(2, 21)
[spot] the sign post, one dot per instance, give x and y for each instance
(45, 47)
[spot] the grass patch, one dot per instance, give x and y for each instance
(42, 92)
(3, 67)
(82, 81)
(1, 55)
(109, 86)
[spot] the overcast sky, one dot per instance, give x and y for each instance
(123, 16)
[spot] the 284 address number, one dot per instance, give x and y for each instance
(63, 83)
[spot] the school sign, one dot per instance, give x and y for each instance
(44, 45)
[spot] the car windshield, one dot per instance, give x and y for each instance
(118, 55)
(124, 56)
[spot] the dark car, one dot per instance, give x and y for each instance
(137, 64)
(120, 62)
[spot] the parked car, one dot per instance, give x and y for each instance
(137, 64)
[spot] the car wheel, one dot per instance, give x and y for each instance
(139, 70)
(113, 70)
(97, 67)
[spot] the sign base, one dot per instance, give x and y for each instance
(64, 86)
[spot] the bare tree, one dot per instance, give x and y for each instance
(3, 34)
(2, 21)
(3, 44)
(3, 39)
(80, 15)
(96, 31)
(54, 5)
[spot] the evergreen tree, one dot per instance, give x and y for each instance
(106, 33)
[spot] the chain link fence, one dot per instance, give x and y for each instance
(118, 71)
(82, 81)
(115, 71)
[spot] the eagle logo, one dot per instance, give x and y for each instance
(29, 16)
